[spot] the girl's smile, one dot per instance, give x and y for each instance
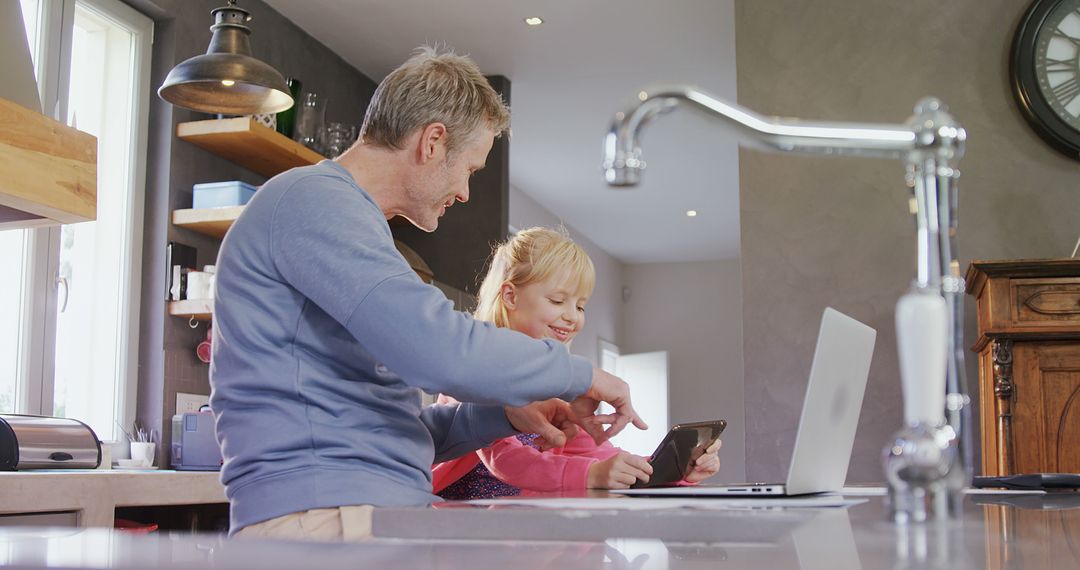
(552, 308)
(562, 334)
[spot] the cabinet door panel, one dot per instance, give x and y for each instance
(1028, 428)
(1064, 391)
(1047, 408)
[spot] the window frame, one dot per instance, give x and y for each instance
(37, 351)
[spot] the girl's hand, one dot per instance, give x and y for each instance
(618, 472)
(705, 466)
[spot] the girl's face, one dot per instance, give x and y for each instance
(546, 309)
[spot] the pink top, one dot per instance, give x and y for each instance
(560, 469)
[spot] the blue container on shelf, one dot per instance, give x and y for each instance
(221, 194)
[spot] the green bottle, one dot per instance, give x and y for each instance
(287, 118)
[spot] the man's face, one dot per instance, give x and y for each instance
(446, 180)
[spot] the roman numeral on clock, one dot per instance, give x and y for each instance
(1060, 34)
(1060, 65)
(1067, 91)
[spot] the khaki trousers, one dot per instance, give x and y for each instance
(340, 524)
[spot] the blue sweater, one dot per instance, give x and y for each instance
(323, 339)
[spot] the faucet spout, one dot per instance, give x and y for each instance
(623, 162)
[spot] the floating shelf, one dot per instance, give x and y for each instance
(213, 222)
(199, 309)
(249, 144)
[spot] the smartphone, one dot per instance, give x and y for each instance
(674, 457)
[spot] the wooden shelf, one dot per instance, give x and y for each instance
(199, 309)
(213, 222)
(48, 171)
(249, 144)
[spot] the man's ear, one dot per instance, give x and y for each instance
(432, 142)
(509, 295)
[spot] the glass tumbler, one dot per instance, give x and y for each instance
(339, 137)
(309, 121)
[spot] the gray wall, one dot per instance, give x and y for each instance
(603, 316)
(167, 362)
(693, 311)
(829, 231)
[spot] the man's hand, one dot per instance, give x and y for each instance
(618, 472)
(705, 466)
(552, 419)
(606, 388)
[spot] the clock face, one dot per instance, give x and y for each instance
(1045, 72)
(1057, 61)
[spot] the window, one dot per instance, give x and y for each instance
(12, 244)
(70, 302)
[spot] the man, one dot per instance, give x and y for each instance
(324, 336)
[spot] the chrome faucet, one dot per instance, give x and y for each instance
(930, 144)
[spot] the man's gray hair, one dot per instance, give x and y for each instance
(433, 87)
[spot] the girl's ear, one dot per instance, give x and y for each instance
(508, 293)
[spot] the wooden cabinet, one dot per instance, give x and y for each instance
(1029, 364)
(48, 171)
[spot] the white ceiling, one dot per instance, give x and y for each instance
(568, 76)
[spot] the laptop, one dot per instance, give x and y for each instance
(829, 418)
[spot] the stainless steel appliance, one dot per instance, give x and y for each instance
(42, 442)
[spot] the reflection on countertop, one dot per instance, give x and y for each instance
(996, 531)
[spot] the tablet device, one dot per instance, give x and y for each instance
(674, 457)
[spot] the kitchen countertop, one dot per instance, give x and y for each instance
(995, 531)
(96, 493)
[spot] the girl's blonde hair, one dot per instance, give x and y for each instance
(532, 256)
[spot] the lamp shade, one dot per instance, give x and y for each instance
(227, 79)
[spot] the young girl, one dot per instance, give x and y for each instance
(538, 284)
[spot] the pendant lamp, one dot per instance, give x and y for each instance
(227, 79)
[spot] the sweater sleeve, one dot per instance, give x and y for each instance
(457, 429)
(336, 250)
(553, 470)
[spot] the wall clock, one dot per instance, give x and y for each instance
(1044, 68)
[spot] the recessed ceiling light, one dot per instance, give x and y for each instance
(533, 21)
(691, 213)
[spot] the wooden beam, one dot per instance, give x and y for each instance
(47, 169)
